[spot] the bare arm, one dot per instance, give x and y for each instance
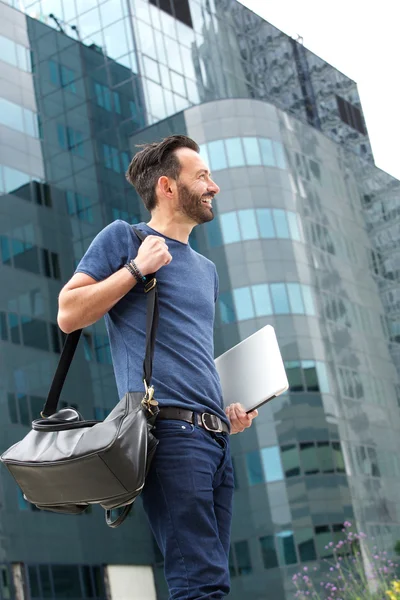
(83, 300)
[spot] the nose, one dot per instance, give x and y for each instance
(213, 187)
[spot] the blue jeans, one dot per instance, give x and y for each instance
(188, 501)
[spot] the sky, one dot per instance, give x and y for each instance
(362, 40)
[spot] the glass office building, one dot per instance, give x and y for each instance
(305, 238)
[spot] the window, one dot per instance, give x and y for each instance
(254, 468)
(248, 225)
(323, 380)
(290, 460)
(272, 464)
(279, 298)
(34, 333)
(226, 307)
(286, 548)
(214, 233)
(243, 558)
(216, 152)
(295, 298)
(268, 551)
(308, 300)
(230, 228)
(102, 349)
(338, 457)
(13, 179)
(305, 544)
(293, 226)
(310, 374)
(252, 151)
(262, 300)
(309, 459)
(70, 139)
(62, 76)
(323, 538)
(265, 223)
(295, 376)
(351, 115)
(267, 153)
(111, 158)
(234, 151)
(13, 325)
(325, 457)
(279, 155)
(180, 10)
(16, 117)
(79, 206)
(243, 303)
(281, 226)
(15, 54)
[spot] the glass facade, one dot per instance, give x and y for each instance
(305, 238)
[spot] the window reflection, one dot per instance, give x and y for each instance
(243, 303)
(272, 464)
(305, 544)
(254, 468)
(279, 298)
(248, 225)
(286, 548)
(250, 151)
(281, 226)
(265, 223)
(230, 228)
(262, 300)
(268, 552)
(234, 151)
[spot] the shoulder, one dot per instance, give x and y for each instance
(205, 262)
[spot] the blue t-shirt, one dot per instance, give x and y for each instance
(184, 372)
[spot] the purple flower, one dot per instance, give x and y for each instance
(347, 524)
(305, 568)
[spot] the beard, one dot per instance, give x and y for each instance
(191, 205)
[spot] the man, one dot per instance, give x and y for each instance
(189, 488)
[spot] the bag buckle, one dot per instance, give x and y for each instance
(148, 401)
(150, 285)
(211, 422)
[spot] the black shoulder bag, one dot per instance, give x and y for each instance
(65, 463)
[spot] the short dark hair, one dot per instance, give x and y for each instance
(156, 160)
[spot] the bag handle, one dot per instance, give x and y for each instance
(71, 343)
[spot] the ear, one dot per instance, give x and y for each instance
(167, 187)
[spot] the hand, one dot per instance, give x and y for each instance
(238, 418)
(152, 255)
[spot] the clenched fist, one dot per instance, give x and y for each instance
(152, 255)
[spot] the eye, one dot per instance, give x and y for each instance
(202, 176)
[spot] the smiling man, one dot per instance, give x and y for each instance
(189, 488)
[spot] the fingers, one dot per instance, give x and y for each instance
(238, 418)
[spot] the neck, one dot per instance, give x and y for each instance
(170, 227)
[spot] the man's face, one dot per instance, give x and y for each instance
(195, 187)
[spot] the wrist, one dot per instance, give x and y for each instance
(141, 266)
(134, 270)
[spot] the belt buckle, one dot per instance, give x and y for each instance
(216, 423)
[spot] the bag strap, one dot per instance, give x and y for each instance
(71, 343)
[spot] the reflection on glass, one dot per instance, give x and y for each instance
(248, 225)
(204, 153)
(265, 223)
(262, 300)
(286, 548)
(325, 457)
(293, 226)
(267, 153)
(213, 233)
(290, 460)
(234, 151)
(338, 457)
(279, 155)
(252, 151)
(279, 298)
(308, 300)
(295, 297)
(216, 152)
(243, 303)
(309, 459)
(323, 538)
(254, 468)
(268, 551)
(272, 464)
(243, 558)
(226, 307)
(14, 179)
(310, 375)
(281, 226)
(305, 544)
(230, 228)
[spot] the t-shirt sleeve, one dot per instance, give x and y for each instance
(110, 250)
(216, 285)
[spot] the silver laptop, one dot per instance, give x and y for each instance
(253, 372)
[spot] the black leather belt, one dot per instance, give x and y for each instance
(206, 420)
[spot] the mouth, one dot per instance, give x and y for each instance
(207, 201)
